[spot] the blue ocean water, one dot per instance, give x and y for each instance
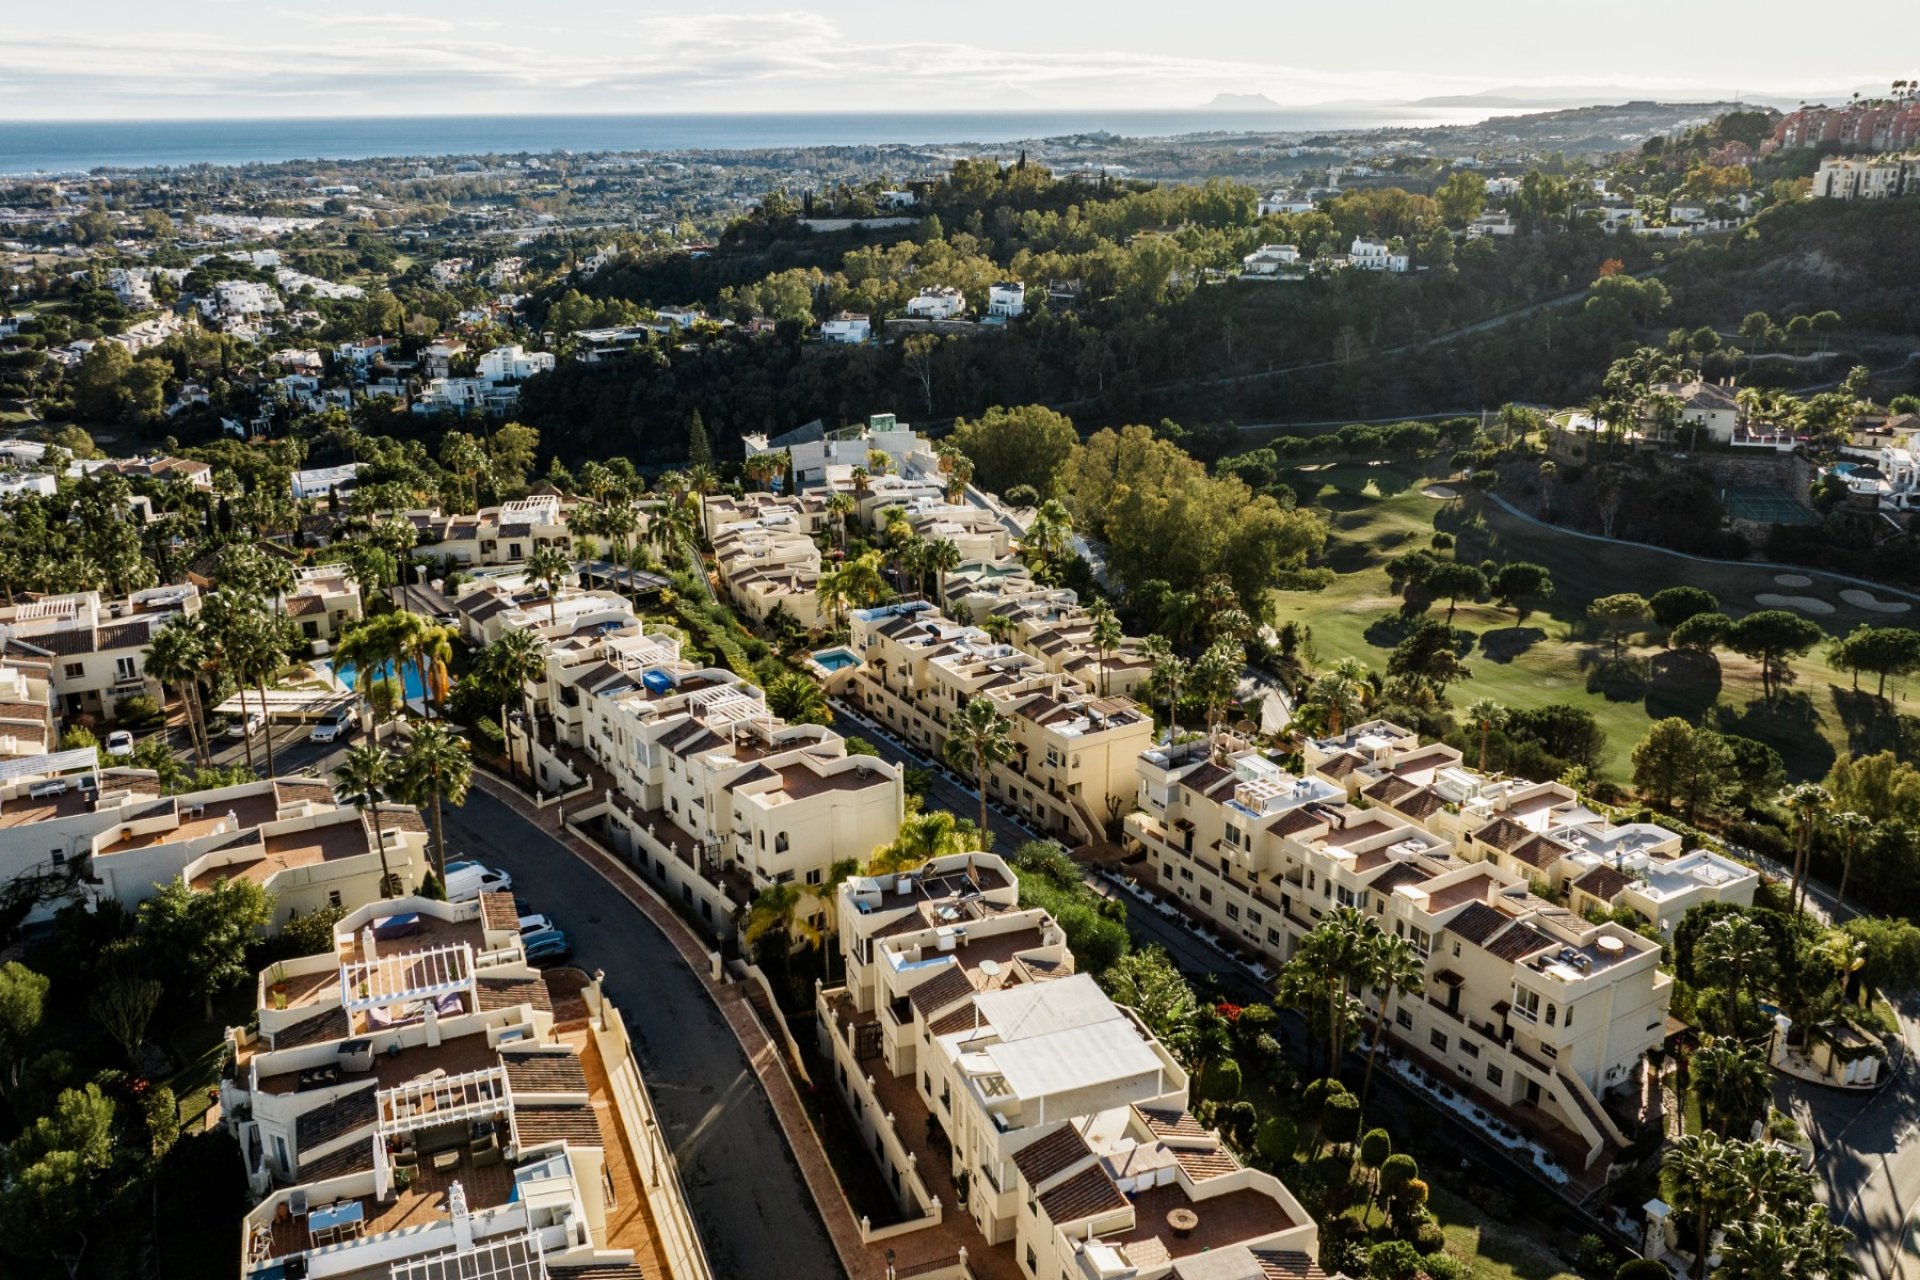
(70, 146)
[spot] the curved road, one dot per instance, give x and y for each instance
(747, 1195)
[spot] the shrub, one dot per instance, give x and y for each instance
(137, 711)
(1492, 1199)
(1444, 1266)
(1277, 1139)
(1593, 1255)
(1642, 1269)
(1393, 1260)
(1429, 1238)
(1222, 1080)
(1340, 1122)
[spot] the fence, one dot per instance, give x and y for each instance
(877, 1126)
(754, 974)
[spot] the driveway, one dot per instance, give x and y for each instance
(745, 1190)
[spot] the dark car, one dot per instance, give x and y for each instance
(546, 947)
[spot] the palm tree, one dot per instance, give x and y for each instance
(1216, 678)
(839, 506)
(1323, 969)
(1737, 954)
(1733, 1084)
(979, 738)
(1549, 472)
(1051, 532)
(1107, 635)
(1850, 826)
(776, 909)
(428, 647)
(1766, 1174)
(372, 647)
(1760, 1249)
(1486, 715)
(364, 777)
(1705, 1184)
(1339, 696)
(1394, 969)
(922, 837)
(254, 644)
(550, 565)
(1169, 672)
(513, 662)
(827, 891)
(435, 771)
(175, 657)
(943, 557)
(1806, 802)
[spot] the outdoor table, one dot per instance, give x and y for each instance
(1182, 1221)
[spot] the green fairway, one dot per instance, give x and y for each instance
(1556, 655)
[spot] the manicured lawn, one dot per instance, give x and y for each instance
(1378, 512)
(1495, 1250)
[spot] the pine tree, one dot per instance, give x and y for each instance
(699, 451)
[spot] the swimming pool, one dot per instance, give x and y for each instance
(409, 679)
(836, 659)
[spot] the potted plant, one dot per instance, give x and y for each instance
(277, 984)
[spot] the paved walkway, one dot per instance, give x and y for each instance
(765, 1057)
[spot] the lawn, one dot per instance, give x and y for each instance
(1495, 1250)
(1377, 512)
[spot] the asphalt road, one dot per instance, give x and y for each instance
(746, 1192)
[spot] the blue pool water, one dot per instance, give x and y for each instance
(410, 679)
(836, 659)
(1845, 468)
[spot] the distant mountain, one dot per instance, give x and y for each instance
(1241, 102)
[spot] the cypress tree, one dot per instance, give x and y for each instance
(699, 450)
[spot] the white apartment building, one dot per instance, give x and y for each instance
(1273, 261)
(769, 566)
(1007, 300)
(321, 482)
(494, 536)
(96, 649)
(513, 364)
(821, 457)
(705, 789)
(1072, 772)
(941, 303)
(487, 608)
(82, 833)
(1526, 1004)
(325, 601)
(846, 326)
(962, 1015)
(1375, 255)
(1284, 202)
(1866, 178)
(411, 1107)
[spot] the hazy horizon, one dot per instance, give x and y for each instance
(296, 59)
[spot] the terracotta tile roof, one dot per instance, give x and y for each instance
(316, 1028)
(497, 911)
(544, 1072)
(1171, 1124)
(1477, 923)
(947, 987)
(1495, 934)
(1287, 1264)
(509, 993)
(293, 791)
(355, 1157)
(1042, 1161)
(1422, 804)
(1504, 834)
(1540, 852)
(1303, 818)
(1390, 790)
(1603, 883)
(1341, 765)
(1083, 1196)
(336, 1119)
(1398, 874)
(301, 606)
(1215, 1162)
(572, 1122)
(961, 1019)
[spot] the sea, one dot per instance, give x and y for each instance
(78, 146)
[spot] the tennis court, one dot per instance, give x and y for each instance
(1765, 506)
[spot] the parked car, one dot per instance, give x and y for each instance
(468, 879)
(120, 743)
(546, 947)
(535, 923)
(337, 724)
(245, 726)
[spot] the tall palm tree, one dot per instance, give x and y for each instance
(1486, 715)
(550, 565)
(1704, 1184)
(1849, 825)
(1215, 679)
(1051, 532)
(1737, 954)
(254, 645)
(1322, 972)
(827, 891)
(1168, 672)
(979, 738)
(943, 557)
(364, 776)
(436, 770)
(1762, 1248)
(175, 657)
(513, 662)
(1107, 635)
(1393, 969)
(1733, 1084)
(428, 646)
(776, 909)
(1807, 803)
(839, 506)
(373, 648)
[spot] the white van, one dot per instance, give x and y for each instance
(467, 880)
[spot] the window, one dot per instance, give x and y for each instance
(1404, 1019)
(1438, 1039)
(1549, 1050)
(780, 842)
(333, 898)
(1551, 1012)
(1469, 1048)
(1527, 1004)
(813, 876)
(1033, 1263)
(1186, 873)
(1346, 897)
(126, 668)
(1253, 917)
(1233, 912)
(75, 670)
(1273, 937)
(1233, 835)
(1421, 941)
(1494, 1074)
(1206, 896)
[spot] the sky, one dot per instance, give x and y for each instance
(129, 59)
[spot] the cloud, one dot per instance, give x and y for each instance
(381, 61)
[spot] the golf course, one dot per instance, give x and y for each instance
(1556, 654)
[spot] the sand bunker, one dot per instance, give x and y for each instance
(1793, 579)
(1805, 604)
(1867, 600)
(1442, 492)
